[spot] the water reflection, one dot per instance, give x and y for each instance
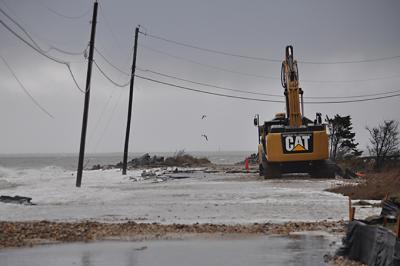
(254, 251)
(86, 258)
(307, 250)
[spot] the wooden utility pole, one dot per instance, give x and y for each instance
(87, 96)
(128, 122)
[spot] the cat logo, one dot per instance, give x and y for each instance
(297, 143)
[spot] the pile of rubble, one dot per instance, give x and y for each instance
(17, 234)
(180, 159)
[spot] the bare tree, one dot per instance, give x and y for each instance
(384, 141)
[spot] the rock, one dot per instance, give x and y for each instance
(96, 167)
(16, 200)
(148, 174)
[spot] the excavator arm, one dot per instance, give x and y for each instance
(290, 81)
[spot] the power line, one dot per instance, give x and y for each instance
(351, 80)
(235, 90)
(25, 90)
(63, 15)
(20, 27)
(91, 139)
(257, 75)
(108, 121)
(110, 79)
(111, 64)
(40, 51)
(206, 84)
(108, 25)
(207, 65)
(273, 60)
(261, 93)
(206, 92)
(260, 100)
(210, 50)
(51, 47)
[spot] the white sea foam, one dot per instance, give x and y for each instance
(107, 195)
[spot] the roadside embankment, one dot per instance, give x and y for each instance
(374, 186)
(18, 234)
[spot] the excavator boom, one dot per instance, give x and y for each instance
(290, 81)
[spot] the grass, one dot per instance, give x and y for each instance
(183, 159)
(375, 186)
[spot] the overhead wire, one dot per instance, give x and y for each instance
(235, 90)
(51, 47)
(273, 60)
(26, 90)
(110, 63)
(206, 92)
(207, 65)
(121, 85)
(108, 122)
(258, 75)
(40, 51)
(260, 93)
(108, 26)
(21, 28)
(205, 84)
(91, 139)
(257, 99)
(79, 16)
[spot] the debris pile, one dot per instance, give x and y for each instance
(165, 173)
(181, 159)
(18, 234)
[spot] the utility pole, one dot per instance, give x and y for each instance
(128, 122)
(87, 97)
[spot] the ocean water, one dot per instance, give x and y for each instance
(70, 161)
(109, 196)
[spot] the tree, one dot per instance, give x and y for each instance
(341, 137)
(384, 141)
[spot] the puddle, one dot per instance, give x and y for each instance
(266, 250)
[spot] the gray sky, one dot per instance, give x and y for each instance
(169, 119)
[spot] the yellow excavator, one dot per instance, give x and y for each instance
(292, 143)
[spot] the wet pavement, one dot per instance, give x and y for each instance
(300, 249)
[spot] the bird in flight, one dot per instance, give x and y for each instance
(203, 116)
(205, 136)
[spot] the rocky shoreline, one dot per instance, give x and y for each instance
(21, 234)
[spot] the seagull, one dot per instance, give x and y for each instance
(205, 136)
(203, 116)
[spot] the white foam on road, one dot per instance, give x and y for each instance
(204, 198)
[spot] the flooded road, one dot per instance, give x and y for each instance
(303, 249)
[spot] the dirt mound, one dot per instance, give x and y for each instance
(373, 186)
(183, 159)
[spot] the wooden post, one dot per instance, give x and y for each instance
(384, 220)
(353, 213)
(350, 209)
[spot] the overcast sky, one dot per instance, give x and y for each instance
(169, 119)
